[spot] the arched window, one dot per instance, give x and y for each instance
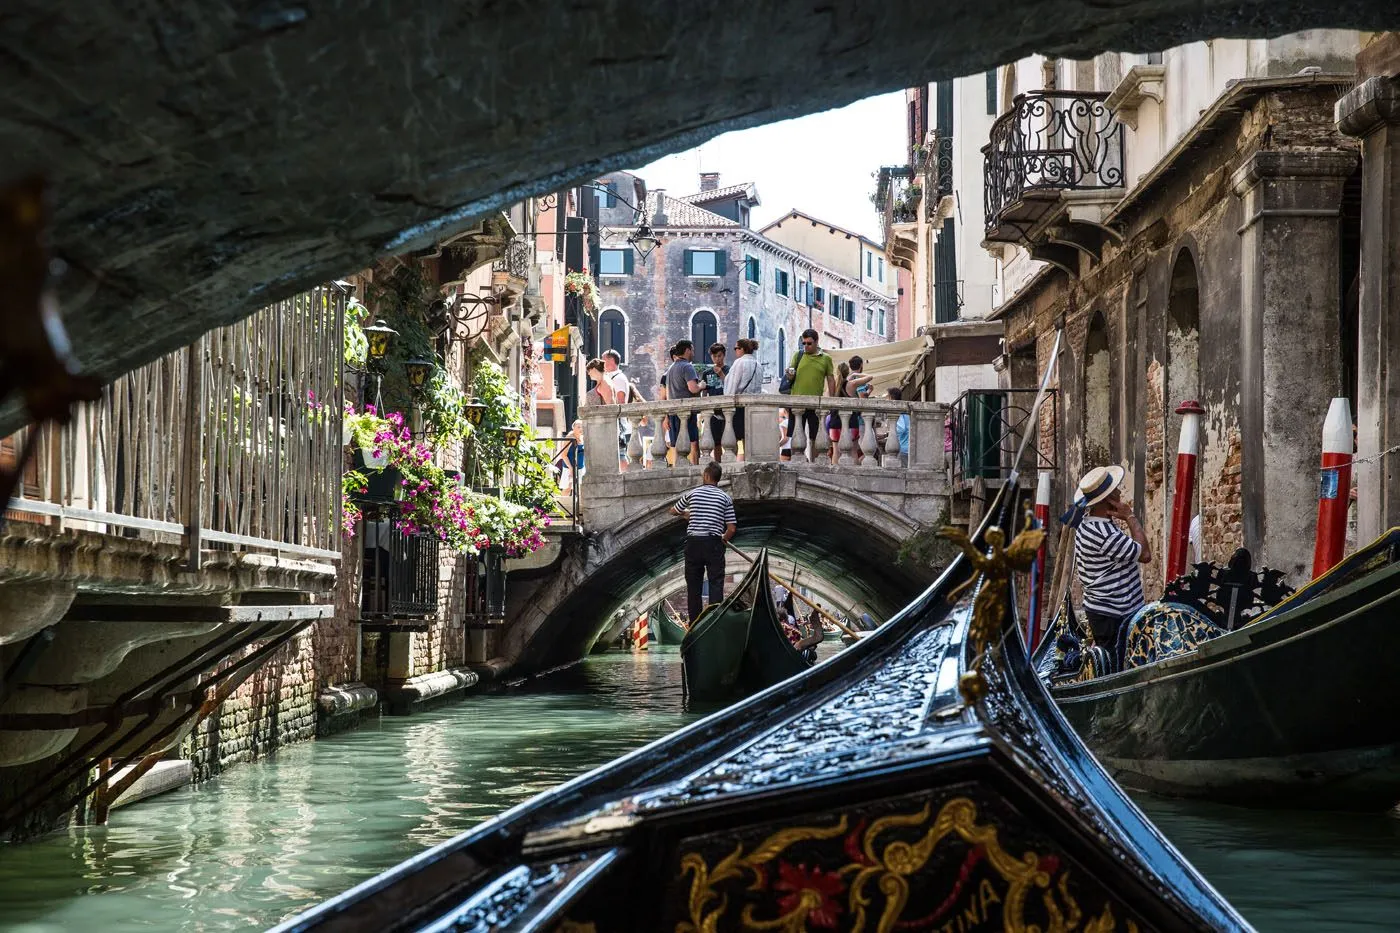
(753, 329)
(704, 330)
(612, 332)
(782, 350)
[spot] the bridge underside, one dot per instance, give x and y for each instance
(847, 556)
(199, 162)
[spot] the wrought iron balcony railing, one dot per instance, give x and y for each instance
(400, 574)
(516, 260)
(986, 427)
(897, 196)
(1050, 141)
(934, 164)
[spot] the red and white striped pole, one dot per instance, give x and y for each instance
(1188, 449)
(1334, 488)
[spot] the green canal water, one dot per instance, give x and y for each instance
(269, 839)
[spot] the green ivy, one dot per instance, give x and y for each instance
(533, 484)
(356, 343)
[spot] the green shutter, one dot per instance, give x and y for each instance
(690, 262)
(627, 261)
(721, 262)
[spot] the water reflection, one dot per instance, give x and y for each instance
(268, 839)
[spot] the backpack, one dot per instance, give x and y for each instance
(785, 384)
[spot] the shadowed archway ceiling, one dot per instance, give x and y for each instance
(207, 158)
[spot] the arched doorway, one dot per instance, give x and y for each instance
(612, 332)
(704, 330)
(1098, 395)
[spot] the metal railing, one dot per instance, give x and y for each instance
(564, 458)
(897, 196)
(400, 573)
(985, 427)
(934, 164)
(1066, 140)
(233, 441)
(516, 260)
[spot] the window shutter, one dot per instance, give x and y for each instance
(721, 262)
(690, 262)
(627, 261)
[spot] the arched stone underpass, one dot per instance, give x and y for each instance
(563, 612)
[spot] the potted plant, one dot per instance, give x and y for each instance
(375, 478)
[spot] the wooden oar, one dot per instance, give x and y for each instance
(796, 595)
(1064, 557)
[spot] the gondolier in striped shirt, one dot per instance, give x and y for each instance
(1108, 560)
(710, 522)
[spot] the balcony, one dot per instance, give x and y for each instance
(1053, 170)
(400, 583)
(897, 197)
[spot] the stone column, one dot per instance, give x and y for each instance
(1371, 113)
(1290, 355)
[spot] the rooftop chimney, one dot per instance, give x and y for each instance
(709, 181)
(659, 218)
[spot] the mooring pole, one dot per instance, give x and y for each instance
(1334, 488)
(1188, 449)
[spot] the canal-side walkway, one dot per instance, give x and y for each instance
(269, 838)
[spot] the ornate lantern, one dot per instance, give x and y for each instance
(380, 336)
(419, 370)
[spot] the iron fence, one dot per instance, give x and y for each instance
(985, 428)
(400, 573)
(1067, 140)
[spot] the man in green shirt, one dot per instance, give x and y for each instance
(812, 372)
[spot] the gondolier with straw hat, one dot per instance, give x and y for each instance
(1107, 559)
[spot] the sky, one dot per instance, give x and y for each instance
(795, 165)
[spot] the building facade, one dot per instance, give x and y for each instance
(715, 279)
(1191, 221)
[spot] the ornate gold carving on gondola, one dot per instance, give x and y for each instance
(872, 889)
(994, 568)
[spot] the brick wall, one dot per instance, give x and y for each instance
(276, 706)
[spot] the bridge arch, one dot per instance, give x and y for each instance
(842, 529)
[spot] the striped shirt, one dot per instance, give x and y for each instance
(1108, 567)
(710, 510)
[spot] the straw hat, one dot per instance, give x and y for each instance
(1098, 484)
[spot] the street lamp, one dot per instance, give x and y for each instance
(474, 411)
(418, 371)
(380, 335)
(644, 240)
(511, 436)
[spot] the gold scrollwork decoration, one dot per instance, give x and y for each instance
(876, 881)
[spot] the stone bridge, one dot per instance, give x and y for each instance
(842, 522)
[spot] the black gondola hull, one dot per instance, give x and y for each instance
(1290, 711)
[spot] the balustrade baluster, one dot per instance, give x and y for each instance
(867, 441)
(682, 439)
(707, 440)
(892, 442)
(729, 441)
(821, 441)
(658, 443)
(634, 445)
(797, 428)
(844, 446)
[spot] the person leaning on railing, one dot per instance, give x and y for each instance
(745, 377)
(811, 372)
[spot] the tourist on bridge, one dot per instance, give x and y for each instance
(811, 372)
(745, 377)
(712, 383)
(1108, 560)
(681, 382)
(709, 514)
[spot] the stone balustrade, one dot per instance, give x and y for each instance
(716, 419)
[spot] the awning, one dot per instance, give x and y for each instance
(887, 362)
